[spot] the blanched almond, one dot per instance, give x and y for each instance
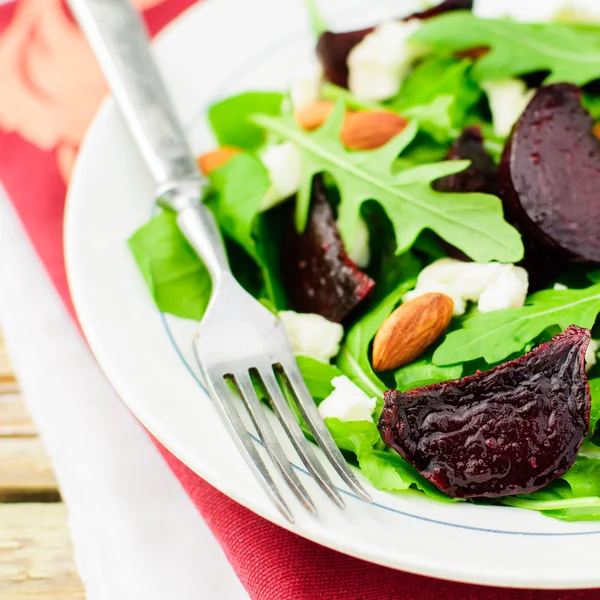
(410, 330)
(371, 129)
(211, 161)
(312, 116)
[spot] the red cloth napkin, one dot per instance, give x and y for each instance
(50, 87)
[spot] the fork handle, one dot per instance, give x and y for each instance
(118, 37)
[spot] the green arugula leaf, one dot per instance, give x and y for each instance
(317, 21)
(318, 376)
(435, 78)
(594, 276)
(424, 372)
(558, 503)
(178, 280)
(240, 185)
(568, 53)
(592, 105)
(355, 436)
(390, 472)
(230, 118)
(494, 336)
(474, 223)
(268, 245)
(584, 476)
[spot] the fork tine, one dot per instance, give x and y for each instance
(221, 396)
(292, 428)
(308, 410)
(257, 413)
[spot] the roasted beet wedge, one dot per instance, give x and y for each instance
(333, 48)
(317, 273)
(481, 176)
(511, 430)
(444, 7)
(550, 177)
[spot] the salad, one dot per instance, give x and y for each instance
(421, 208)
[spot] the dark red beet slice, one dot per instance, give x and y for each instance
(333, 48)
(317, 273)
(444, 7)
(511, 430)
(481, 176)
(550, 176)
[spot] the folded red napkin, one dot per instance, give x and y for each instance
(50, 88)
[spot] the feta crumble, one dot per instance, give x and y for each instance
(306, 85)
(493, 285)
(591, 356)
(347, 402)
(378, 65)
(284, 164)
(508, 99)
(506, 289)
(360, 252)
(312, 335)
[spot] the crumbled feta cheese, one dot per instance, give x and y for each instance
(347, 402)
(378, 65)
(506, 289)
(591, 354)
(500, 286)
(508, 99)
(559, 287)
(360, 252)
(538, 12)
(312, 335)
(306, 85)
(284, 163)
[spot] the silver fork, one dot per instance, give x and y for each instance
(238, 340)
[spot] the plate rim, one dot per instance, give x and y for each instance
(418, 567)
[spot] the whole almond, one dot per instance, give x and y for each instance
(211, 161)
(312, 116)
(372, 129)
(410, 330)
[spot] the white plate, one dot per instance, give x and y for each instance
(215, 49)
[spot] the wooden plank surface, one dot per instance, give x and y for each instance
(14, 418)
(25, 471)
(35, 554)
(36, 557)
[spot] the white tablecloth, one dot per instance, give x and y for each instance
(135, 532)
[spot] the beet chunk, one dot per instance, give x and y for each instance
(333, 48)
(317, 273)
(481, 176)
(511, 430)
(440, 9)
(550, 177)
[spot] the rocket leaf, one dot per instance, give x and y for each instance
(568, 53)
(495, 335)
(474, 223)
